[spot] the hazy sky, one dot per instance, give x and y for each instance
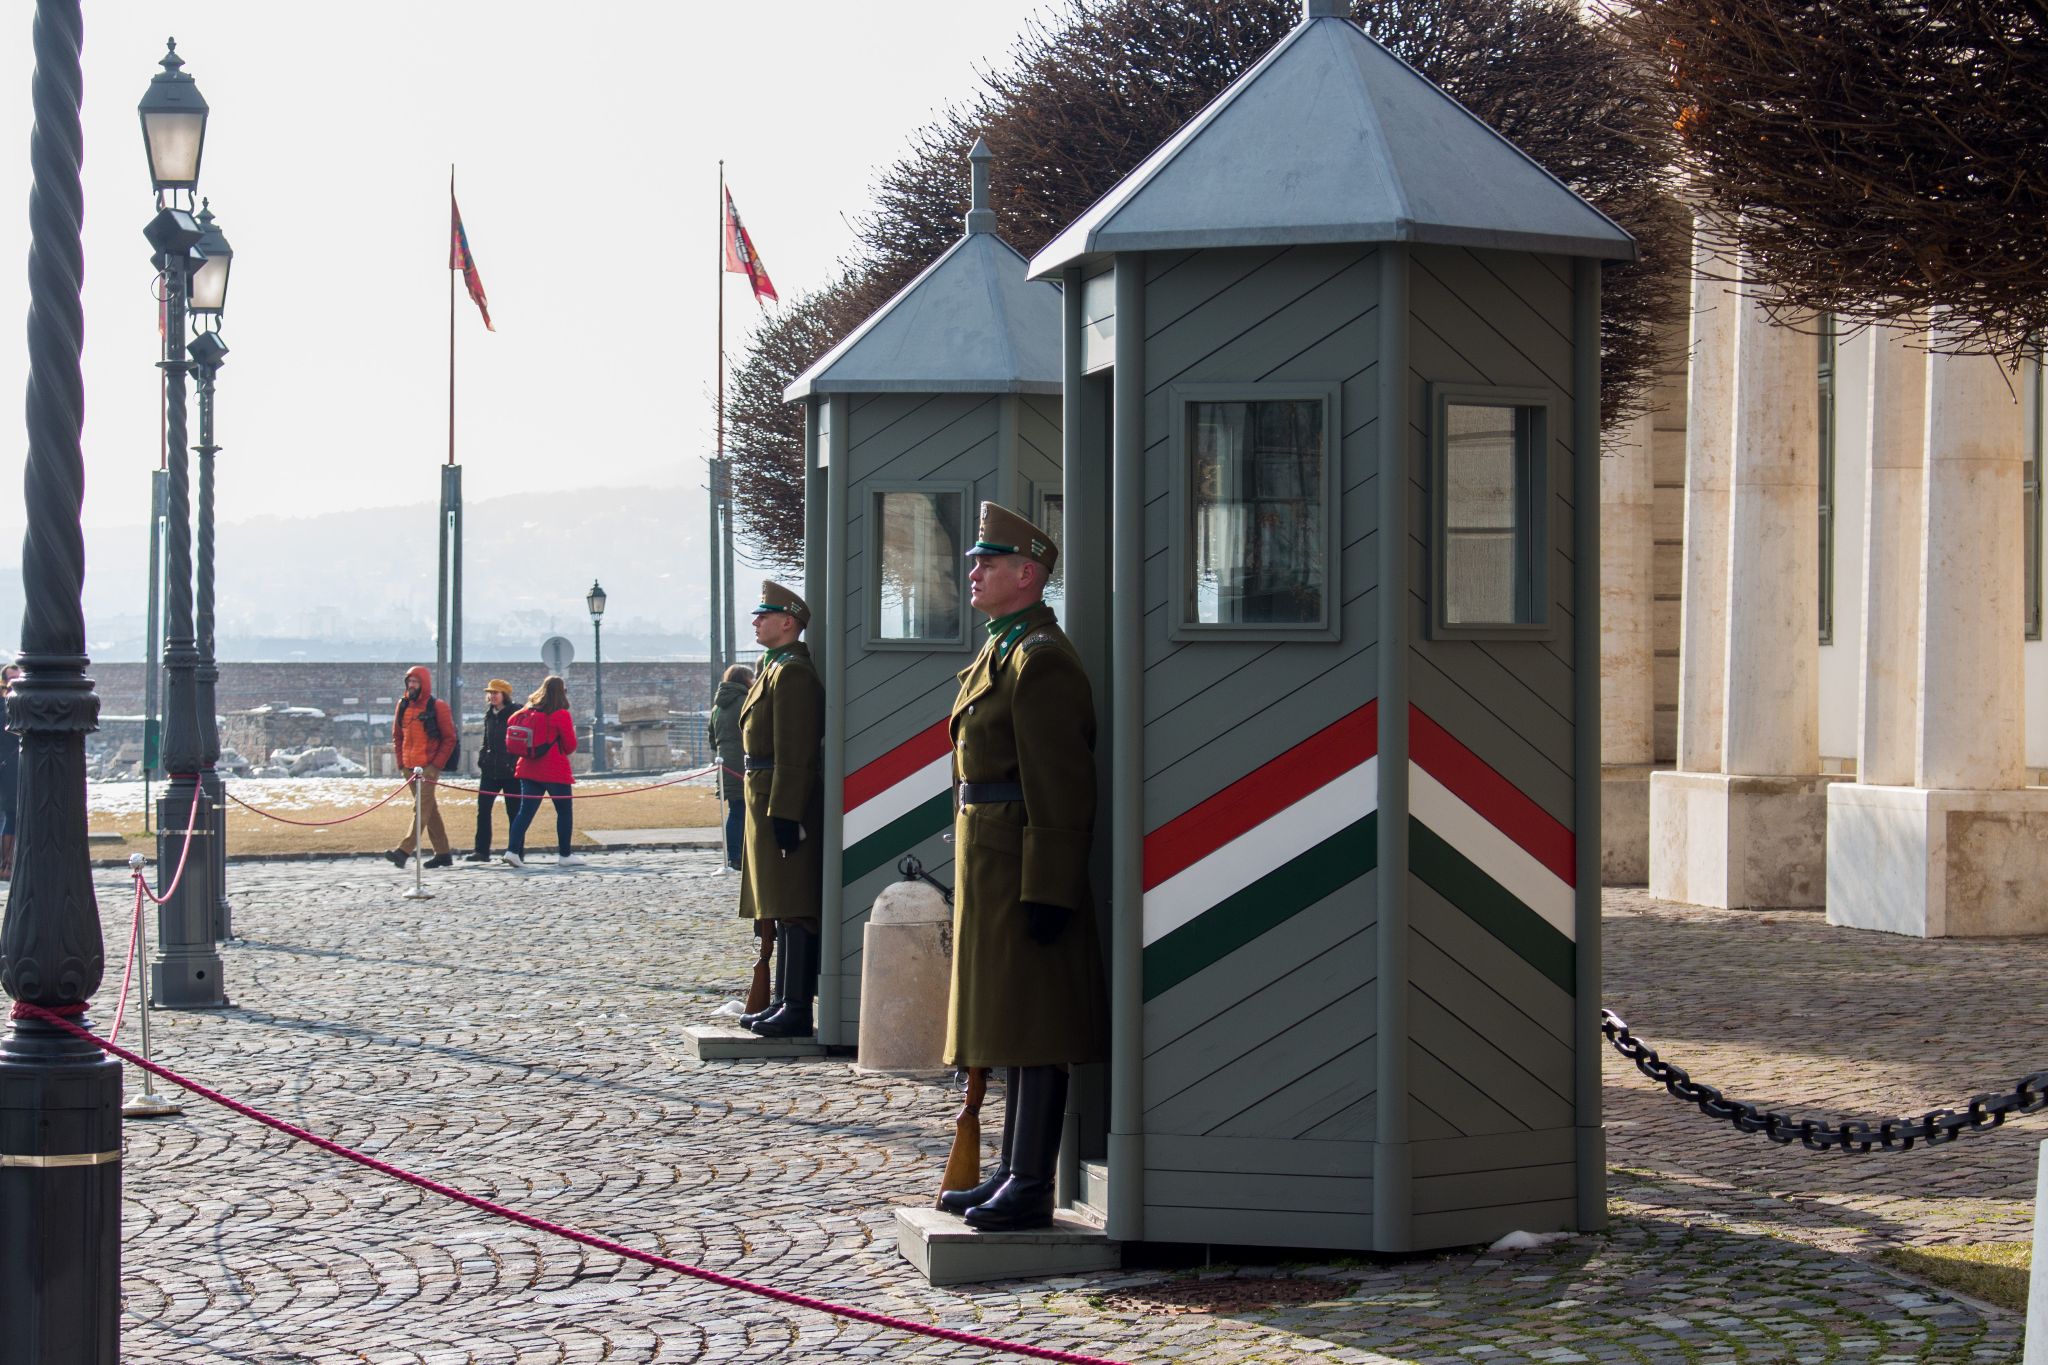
(585, 139)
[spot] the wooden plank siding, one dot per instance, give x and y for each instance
(1492, 777)
(895, 696)
(1259, 1020)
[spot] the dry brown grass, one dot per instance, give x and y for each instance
(666, 808)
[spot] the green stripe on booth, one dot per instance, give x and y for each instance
(1490, 905)
(896, 838)
(1265, 905)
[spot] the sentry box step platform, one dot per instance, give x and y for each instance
(726, 1043)
(947, 1251)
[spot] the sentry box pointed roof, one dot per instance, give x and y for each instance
(971, 323)
(1332, 138)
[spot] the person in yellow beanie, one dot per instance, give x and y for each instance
(494, 766)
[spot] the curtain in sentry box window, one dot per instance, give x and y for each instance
(1485, 501)
(921, 568)
(1256, 507)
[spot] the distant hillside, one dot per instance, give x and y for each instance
(361, 584)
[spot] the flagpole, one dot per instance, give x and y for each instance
(721, 591)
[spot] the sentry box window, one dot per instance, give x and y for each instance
(1490, 494)
(1256, 502)
(919, 591)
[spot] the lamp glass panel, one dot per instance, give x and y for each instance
(174, 141)
(210, 285)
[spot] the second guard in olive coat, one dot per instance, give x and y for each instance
(782, 723)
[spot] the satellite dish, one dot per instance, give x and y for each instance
(557, 653)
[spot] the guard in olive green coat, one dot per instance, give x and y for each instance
(1028, 991)
(782, 730)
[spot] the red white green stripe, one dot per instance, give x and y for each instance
(1266, 847)
(1482, 844)
(897, 801)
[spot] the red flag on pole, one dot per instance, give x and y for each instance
(460, 259)
(742, 259)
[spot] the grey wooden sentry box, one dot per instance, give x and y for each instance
(947, 395)
(1332, 385)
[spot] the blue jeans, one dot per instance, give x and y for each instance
(735, 827)
(526, 805)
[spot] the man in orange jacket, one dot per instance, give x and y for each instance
(423, 736)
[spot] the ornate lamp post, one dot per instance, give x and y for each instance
(600, 761)
(209, 304)
(186, 972)
(60, 1097)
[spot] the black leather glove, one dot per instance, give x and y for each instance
(788, 833)
(1044, 923)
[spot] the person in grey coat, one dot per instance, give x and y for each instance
(725, 744)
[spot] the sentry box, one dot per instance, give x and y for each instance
(947, 395)
(1332, 388)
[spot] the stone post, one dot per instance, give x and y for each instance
(1889, 686)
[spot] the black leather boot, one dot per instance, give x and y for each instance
(793, 1019)
(778, 992)
(1025, 1199)
(959, 1201)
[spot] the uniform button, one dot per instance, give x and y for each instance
(970, 710)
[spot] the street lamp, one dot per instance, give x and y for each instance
(600, 761)
(186, 971)
(173, 125)
(60, 1110)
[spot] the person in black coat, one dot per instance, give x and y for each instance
(494, 765)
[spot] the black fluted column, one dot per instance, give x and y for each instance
(208, 672)
(186, 971)
(60, 1098)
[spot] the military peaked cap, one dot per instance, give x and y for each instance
(775, 597)
(1003, 532)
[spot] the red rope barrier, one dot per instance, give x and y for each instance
(396, 792)
(23, 1009)
(587, 796)
(184, 852)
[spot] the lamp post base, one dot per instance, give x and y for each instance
(187, 972)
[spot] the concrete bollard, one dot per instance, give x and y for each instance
(2037, 1279)
(906, 975)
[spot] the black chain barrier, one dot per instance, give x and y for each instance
(1936, 1126)
(913, 871)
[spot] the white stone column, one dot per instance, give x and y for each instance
(1744, 820)
(1627, 654)
(1972, 600)
(1770, 720)
(1888, 686)
(1709, 446)
(1964, 849)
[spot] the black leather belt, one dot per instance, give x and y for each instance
(990, 793)
(756, 765)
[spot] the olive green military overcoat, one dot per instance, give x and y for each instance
(783, 719)
(1025, 715)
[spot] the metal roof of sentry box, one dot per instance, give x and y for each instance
(1332, 138)
(971, 323)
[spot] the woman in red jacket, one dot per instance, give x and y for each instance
(545, 772)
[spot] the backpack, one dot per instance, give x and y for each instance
(523, 730)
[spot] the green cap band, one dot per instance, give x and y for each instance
(989, 547)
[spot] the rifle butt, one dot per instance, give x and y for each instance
(963, 1163)
(757, 989)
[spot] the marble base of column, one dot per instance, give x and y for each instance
(187, 971)
(1736, 842)
(1624, 824)
(1938, 863)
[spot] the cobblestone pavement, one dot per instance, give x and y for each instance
(519, 1035)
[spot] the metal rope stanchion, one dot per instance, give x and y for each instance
(419, 891)
(149, 1104)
